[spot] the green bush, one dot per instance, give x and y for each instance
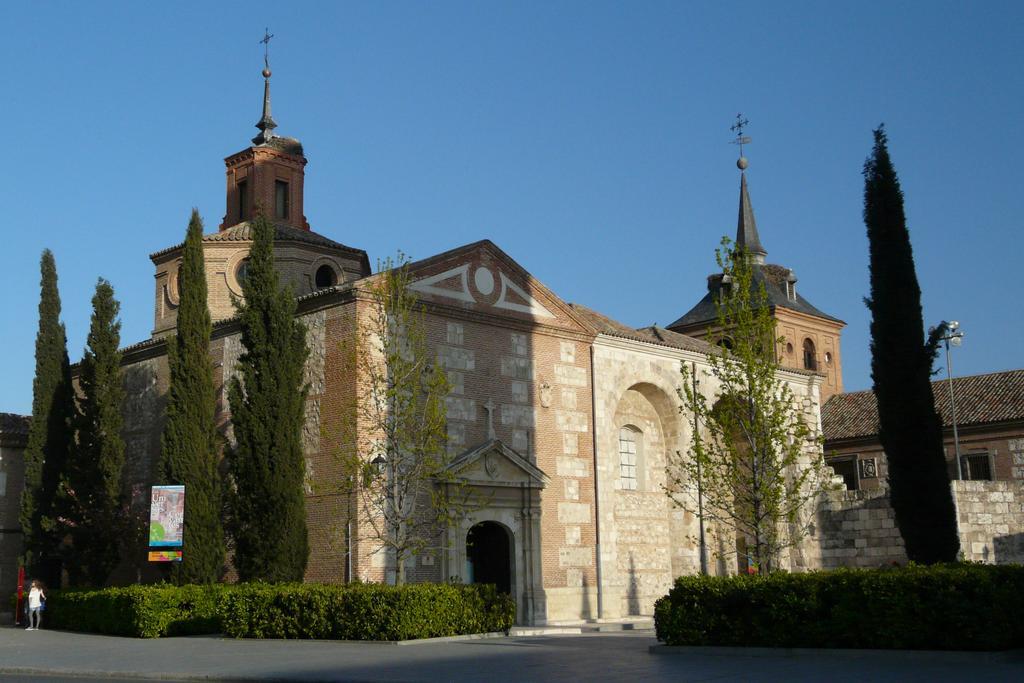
(939, 607)
(139, 611)
(364, 611)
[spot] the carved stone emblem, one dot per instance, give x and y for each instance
(867, 469)
(545, 394)
(491, 465)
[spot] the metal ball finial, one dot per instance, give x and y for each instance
(266, 73)
(742, 163)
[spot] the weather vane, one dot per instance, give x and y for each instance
(741, 139)
(267, 35)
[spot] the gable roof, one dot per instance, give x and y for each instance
(538, 291)
(980, 399)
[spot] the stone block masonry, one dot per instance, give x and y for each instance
(990, 516)
(858, 528)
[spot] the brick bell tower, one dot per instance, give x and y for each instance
(267, 176)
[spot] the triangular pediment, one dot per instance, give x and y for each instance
(493, 463)
(483, 278)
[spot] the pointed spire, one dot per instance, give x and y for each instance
(746, 226)
(266, 124)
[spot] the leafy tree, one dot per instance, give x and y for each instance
(395, 455)
(754, 464)
(901, 360)
(96, 507)
(50, 434)
(268, 398)
(190, 442)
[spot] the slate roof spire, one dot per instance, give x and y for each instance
(266, 124)
(746, 226)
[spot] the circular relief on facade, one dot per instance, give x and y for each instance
(174, 283)
(235, 270)
(828, 358)
(484, 281)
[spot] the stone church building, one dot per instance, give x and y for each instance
(561, 416)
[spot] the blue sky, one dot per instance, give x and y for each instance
(589, 140)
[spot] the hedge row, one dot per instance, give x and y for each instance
(352, 612)
(365, 611)
(140, 611)
(941, 607)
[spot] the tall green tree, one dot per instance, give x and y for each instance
(268, 397)
(901, 361)
(190, 445)
(50, 434)
(754, 466)
(95, 500)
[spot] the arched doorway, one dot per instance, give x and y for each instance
(489, 555)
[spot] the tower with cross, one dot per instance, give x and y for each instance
(811, 336)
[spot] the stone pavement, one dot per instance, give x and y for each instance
(624, 656)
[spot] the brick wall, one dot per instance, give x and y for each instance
(12, 474)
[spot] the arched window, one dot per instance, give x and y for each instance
(325, 277)
(630, 439)
(810, 359)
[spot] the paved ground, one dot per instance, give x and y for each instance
(52, 655)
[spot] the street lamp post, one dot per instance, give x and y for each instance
(951, 333)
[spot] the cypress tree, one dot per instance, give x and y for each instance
(267, 396)
(94, 488)
(50, 434)
(901, 360)
(190, 445)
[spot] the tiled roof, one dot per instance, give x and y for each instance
(243, 233)
(774, 279)
(980, 399)
(653, 334)
(14, 425)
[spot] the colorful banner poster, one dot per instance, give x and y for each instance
(167, 516)
(165, 556)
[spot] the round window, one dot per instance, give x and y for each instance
(325, 277)
(789, 349)
(242, 271)
(828, 358)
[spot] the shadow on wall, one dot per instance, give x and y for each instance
(633, 591)
(1007, 549)
(585, 611)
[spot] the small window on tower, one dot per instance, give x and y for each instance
(281, 199)
(243, 200)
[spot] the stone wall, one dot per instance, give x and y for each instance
(990, 515)
(858, 528)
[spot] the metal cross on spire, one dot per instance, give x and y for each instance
(737, 128)
(266, 123)
(267, 35)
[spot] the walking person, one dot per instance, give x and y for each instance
(36, 597)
